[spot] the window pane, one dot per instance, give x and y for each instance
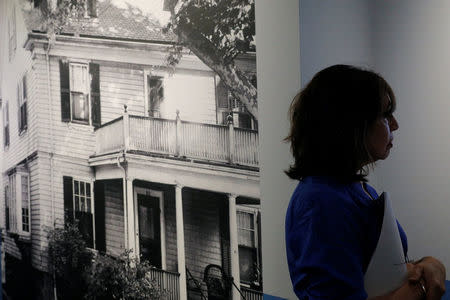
(82, 184)
(88, 189)
(80, 107)
(76, 189)
(246, 238)
(88, 204)
(77, 203)
(245, 220)
(83, 204)
(247, 264)
(78, 78)
(25, 198)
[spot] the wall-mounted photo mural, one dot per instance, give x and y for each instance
(129, 154)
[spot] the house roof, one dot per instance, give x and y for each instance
(125, 22)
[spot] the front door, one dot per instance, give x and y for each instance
(149, 229)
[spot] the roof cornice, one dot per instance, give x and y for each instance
(42, 38)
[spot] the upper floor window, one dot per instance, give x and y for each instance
(6, 124)
(155, 95)
(17, 198)
(91, 8)
(80, 93)
(12, 38)
(228, 104)
(22, 103)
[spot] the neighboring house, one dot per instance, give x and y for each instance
(95, 128)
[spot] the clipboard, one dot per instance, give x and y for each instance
(387, 268)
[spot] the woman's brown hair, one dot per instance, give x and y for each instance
(330, 119)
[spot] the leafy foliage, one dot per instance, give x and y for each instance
(81, 274)
(217, 31)
(54, 20)
(122, 278)
(69, 259)
(228, 24)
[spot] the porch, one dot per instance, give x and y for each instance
(148, 217)
(223, 144)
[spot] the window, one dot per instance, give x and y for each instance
(22, 101)
(6, 125)
(156, 95)
(228, 104)
(17, 197)
(80, 93)
(12, 33)
(248, 240)
(92, 8)
(78, 206)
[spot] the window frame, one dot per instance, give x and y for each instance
(14, 203)
(147, 76)
(253, 211)
(22, 104)
(86, 93)
(91, 183)
(12, 34)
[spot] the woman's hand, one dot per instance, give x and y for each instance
(433, 276)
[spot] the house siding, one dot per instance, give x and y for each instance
(201, 230)
(192, 94)
(114, 219)
(121, 86)
(62, 166)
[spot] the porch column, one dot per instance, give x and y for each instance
(130, 211)
(234, 246)
(180, 241)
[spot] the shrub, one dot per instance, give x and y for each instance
(70, 261)
(122, 278)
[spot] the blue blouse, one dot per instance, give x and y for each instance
(331, 233)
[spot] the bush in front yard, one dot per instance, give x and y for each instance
(70, 261)
(122, 278)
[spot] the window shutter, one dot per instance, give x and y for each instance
(7, 207)
(99, 202)
(19, 114)
(24, 105)
(68, 199)
(24, 85)
(65, 90)
(94, 70)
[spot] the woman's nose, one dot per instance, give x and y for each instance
(393, 124)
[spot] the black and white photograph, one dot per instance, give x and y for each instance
(129, 150)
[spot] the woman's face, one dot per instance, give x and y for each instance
(379, 137)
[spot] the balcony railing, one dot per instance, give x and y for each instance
(216, 143)
(250, 294)
(168, 282)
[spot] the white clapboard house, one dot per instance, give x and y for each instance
(96, 128)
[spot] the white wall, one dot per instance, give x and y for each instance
(277, 60)
(408, 43)
(412, 46)
(333, 32)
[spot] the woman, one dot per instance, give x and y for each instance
(341, 123)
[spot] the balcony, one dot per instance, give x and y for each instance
(176, 138)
